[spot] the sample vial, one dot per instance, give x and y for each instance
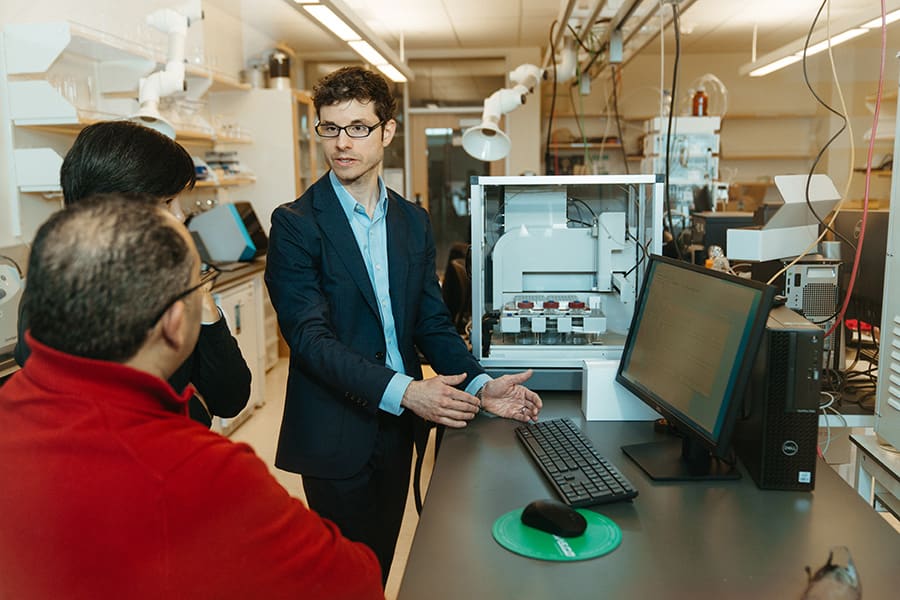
(577, 309)
(551, 311)
(526, 336)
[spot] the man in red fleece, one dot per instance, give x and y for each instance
(109, 490)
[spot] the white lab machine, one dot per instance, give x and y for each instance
(11, 286)
(557, 262)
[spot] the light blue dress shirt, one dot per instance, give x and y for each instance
(371, 237)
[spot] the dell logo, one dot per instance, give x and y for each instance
(790, 448)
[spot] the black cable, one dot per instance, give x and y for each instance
(644, 253)
(843, 117)
(585, 204)
(578, 222)
(578, 39)
(552, 102)
(579, 118)
(618, 118)
(677, 30)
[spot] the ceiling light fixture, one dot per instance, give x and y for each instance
(340, 20)
(793, 53)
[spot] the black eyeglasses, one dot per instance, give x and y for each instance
(208, 276)
(355, 130)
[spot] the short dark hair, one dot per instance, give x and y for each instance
(99, 273)
(123, 156)
(355, 83)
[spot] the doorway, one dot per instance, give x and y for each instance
(441, 174)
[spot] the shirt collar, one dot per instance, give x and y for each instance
(349, 203)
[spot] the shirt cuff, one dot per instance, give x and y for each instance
(477, 383)
(393, 394)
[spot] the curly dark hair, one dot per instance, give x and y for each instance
(355, 83)
(99, 273)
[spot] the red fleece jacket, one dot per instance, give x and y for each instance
(108, 491)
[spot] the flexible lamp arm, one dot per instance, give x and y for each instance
(170, 80)
(487, 141)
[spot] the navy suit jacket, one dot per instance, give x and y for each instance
(328, 315)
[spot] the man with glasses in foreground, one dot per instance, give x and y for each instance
(350, 270)
(109, 491)
(121, 156)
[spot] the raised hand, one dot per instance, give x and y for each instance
(507, 397)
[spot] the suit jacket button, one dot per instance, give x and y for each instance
(379, 355)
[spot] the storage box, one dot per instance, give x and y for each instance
(604, 399)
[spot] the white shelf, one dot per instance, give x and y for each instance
(61, 77)
(32, 48)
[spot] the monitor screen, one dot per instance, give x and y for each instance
(689, 353)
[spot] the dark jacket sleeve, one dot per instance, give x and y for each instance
(219, 371)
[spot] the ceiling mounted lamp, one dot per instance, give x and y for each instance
(340, 20)
(486, 141)
(846, 30)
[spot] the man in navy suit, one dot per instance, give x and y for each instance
(351, 274)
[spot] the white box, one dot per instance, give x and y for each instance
(793, 229)
(604, 399)
(747, 243)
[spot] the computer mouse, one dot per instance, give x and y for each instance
(554, 517)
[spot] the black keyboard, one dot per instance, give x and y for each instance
(570, 463)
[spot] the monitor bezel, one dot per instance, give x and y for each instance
(720, 446)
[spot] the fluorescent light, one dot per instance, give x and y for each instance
(888, 19)
(846, 29)
(392, 73)
(342, 22)
(365, 49)
(326, 17)
(774, 66)
(835, 40)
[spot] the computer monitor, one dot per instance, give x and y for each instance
(689, 354)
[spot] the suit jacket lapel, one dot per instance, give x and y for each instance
(398, 260)
(334, 225)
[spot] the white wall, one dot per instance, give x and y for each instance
(523, 125)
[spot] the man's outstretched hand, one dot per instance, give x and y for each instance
(507, 397)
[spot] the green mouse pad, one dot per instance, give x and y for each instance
(601, 537)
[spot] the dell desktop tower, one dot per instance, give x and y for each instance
(776, 434)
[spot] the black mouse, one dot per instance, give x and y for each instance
(554, 517)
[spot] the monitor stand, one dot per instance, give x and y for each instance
(679, 460)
